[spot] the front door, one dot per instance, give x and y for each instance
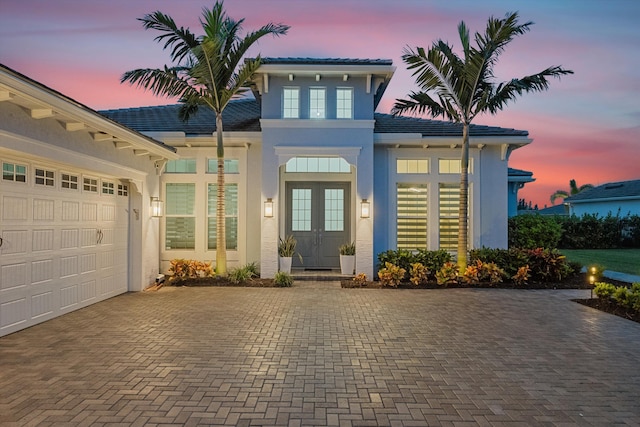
(317, 215)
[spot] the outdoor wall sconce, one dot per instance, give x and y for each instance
(268, 208)
(365, 209)
(157, 207)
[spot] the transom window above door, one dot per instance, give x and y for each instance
(318, 164)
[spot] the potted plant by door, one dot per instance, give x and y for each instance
(348, 258)
(286, 251)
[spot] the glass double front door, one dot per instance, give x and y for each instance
(317, 215)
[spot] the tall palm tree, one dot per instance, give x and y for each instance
(206, 71)
(573, 190)
(460, 88)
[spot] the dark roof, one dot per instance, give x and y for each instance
(243, 115)
(327, 61)
(519, 172)
(612, 190)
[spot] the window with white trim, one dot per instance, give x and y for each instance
(69, 181)
(181, 166)
(14, 172)
(90, 184)
(417, 166)
(451, 166)
(291, 103)
(344, 103)
(108, 187)
(45, 177)
(123, 190)
(449, 203)
(317, 164)
(231, 216)
(317, 102)
(231, 166)
(411, 213)
(180, 219)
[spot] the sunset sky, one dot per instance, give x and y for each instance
(586, 127)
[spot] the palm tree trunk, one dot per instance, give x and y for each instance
(463, 225)
(221, 240)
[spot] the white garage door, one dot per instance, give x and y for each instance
(63, 241)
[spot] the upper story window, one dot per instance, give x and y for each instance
(446, 166)
(45, 177)
(317, 102)
(230, 166)
(405, 166)
(291, 103)
(14, 172)
(181, 166)
(344, 103)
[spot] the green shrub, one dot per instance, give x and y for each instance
(621, 295)
(509, 260)
(591, 231)
(419, 274)
(431, 260)
(401, 258)
(282, 279)
(448, 274)
(534, 231)
(604, 290)
(548, 264)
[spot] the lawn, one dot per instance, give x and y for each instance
(621, 260)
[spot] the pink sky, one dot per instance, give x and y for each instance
(586, 127)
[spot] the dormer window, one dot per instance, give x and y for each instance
(344, 103)
(291, 103)
(317, 102)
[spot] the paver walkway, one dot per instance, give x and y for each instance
(316, 354)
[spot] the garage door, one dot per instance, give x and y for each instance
(63, 241)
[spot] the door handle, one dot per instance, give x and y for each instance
(99, 236)
(315, 238)
(1, 241)
(320, 236)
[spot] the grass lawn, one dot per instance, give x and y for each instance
(621, 260)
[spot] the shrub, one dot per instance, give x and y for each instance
(509, 260)
(448, 274)
(490, 272)
(522, 276)
(240, 274)
(360, 279)
(471, 275)
(534, 231)
(419, 273)
(548, 264)
(432, 260)
(401, 258)
(391, 275)
(604, 290)
(190, 269)
(282, 279)
(621, 295)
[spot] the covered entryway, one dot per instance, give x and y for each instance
(318, 216)
(63, 241)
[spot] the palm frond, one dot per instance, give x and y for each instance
(167, 81)
(180, 40)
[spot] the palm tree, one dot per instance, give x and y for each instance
(206, 71)
(573, 190)
(460, 88)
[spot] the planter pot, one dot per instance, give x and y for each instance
(347, 264)
(285, 264)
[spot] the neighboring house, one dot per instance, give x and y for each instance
(75, 197)
(77, 187)
(615, 198)
(517, 178)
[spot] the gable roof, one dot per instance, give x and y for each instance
(243, 115)
(622, 190)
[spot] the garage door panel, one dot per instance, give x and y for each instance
(13, 276)
(89, 212)
(43, 209)
(13, 314)
(70, 211)
(69, 238)
(69, 297)
(42, 240)
(15, 242)
(14, 208)
(42, 304)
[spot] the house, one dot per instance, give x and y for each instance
(516, 179)
(615, 198)
(306, 155)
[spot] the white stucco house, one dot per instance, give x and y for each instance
(77, 187)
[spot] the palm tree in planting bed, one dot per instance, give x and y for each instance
(207, 71)
(460, 88)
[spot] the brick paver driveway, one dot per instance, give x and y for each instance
(316, 354)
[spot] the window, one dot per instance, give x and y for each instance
(108, 187)
(334, 209)
(447, 166)
(231, 215)
(14, 172)
(231, 166)
(411, 212)
(180, 229)
(291, 103)
(181, 166)
(45, 177)
(69, 181)
(90, 184)
(123, 190)
(344, 103)
(404, 166)
(318, 164)
(301, 209)
(317, 101)
(449, 202)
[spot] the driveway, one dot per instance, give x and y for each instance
(317, 354)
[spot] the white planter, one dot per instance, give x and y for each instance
(285, 264)
(347, 264)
